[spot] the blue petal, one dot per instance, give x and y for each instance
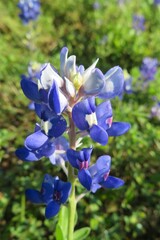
(103, 162)
(94, 82)
(95, 187)
(48, 76)
(112, 182)
(48, 179)
(63, 59)
(72, 157)
(30, 89)
(61, 143)
(47, 192)
(52, 209)
(65, 190)
(58, 126)
(98, 134)
(34, 196)
(53, 159)
(43, 112)
(57, 101)
(35, 140)
(87, 153)
(70, 67)
(114, 81)
(118, 128)
(104, 108)
(47, 149)
(79, 112)
(43, 95)
(26, 155)
(85, 178)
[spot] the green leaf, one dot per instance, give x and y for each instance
(81, 233)
(63, 220)
(59, 233)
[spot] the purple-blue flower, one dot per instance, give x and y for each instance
(138, 23)
(79, 159)
(30, 9)
(96, 5)
(95, 176)
(156, 2)
(41, 143)
(54, 192)
(113, 83)
(148, 68)
(97, 120)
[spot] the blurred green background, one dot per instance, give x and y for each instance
(89, 29)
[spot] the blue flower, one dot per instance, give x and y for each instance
(41, 143)
(79, 159)
(156, 2)
(97, 175)
(87, 82)
(148, 68)
(138, 23)
(97, 120)
(31, 90)
(90, 82)
(54, 192)
(30, 9)
(113, 83)
(96, 5)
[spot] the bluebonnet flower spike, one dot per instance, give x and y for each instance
(30, 9)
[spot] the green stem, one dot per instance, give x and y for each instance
(71, 178)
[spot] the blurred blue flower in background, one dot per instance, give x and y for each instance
(156, 2)
(96, 5)
(155, 111)
(54, 192)
(148, 68)
(138, 23)
(30, 9)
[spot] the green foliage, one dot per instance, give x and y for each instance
(131, 212)
(81, 233)
(62, 226)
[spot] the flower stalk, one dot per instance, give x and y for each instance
(71, 179)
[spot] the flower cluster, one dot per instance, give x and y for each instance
(30, 9)
(71, 94)
(148, 68)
